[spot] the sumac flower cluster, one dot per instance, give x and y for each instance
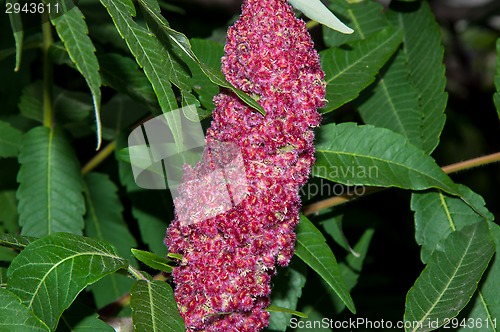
(223, 282)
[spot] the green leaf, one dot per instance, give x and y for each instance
(147, 50)
(80, 318)
(312, 248)
(333, 227)
(496, 96)
(124, 75)
(152, 209)
(485, 305)
(210, 53)
(8, 212)
(50, 191)
(365, 17)
(16, 317)
(120, 113)
(152, 260)
(316, 11)
(438, 214)
(350, 70)
(287, 290)
(9, 140)
(16, 25)
(423, 53)
(154, 308)
(104, 222)
(72, 29)
(182, 42)
(274, 308)
(450, 278)
(365, 155)
(14, 241)
(393, 102)
(50, 272)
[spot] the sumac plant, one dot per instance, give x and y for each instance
(319, 164)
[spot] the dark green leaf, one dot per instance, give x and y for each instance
(393, 102)
(50, 191)
(151, 208)
(80, 318)
(8, 212)
(9, 140)
(16, 317)
(104, 222)
(154, 308)
(14, 241)
(288, 312)
(124, 75)
(287, 290)
(152, 260)
(50, 272)
(349, 70)
(450, 278)
(120, 113)
(364, 17)
(333, 227)
(365, 155)
(16, 25)
(485, 305)
(146, 48)
(72, 29)
(423, 53)
(438, 214)
(312, 248)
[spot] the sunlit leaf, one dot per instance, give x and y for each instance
(154, 308)
(450, 278)
(50, 191)
(312, 248)
(316, 11)
(50, 272)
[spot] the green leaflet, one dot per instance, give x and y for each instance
(16, 25)
(14, 241)
(485, 305)
(16, 317)
(72, 29)
(154, 308)
(146, 48)
(286, 292)
(496, 96)
(104, 222)
(450, 278)
(124, 75)
(312, 248)
(423, 54)
(50, 272)
(350, 70)
(50, 185)
(9, 140)
(152, 260)
(365, 17)
(393, 102)
(366, 155)
(438, 214)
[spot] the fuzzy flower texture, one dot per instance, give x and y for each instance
(223, 281)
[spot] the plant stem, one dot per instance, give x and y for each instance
(48, 113)
(136, 273)
(453, 168)
(311, 24)
(99, 158)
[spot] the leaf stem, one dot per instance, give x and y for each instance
(48, 114)
(136, 273)
(99, 158)
(453, 168)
